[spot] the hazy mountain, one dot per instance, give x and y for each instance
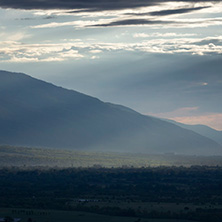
(36, 113)
(202, 130)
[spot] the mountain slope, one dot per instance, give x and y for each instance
(202, 130)
(36, 113)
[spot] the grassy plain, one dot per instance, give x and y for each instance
(26, 156)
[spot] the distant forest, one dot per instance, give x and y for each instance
(192, 193)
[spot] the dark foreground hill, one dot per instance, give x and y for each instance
(36, 113)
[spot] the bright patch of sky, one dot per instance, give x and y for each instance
(155, 58)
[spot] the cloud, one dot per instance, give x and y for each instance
(170, 11)
(78, 24)
(213, 120)
(22, 59)
(176, 11)
(87, 5)
(70, 53)
(32, 18)
(91, 5)
(95, 57)
(211, 41)
(181, 112)
(14, 36)
(165, 23)
(191, 115)
(95, 51)
(168, 34)
(134, 22)
(181, 45)
(156, 14)
(14, 51)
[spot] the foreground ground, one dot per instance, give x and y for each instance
(32, 215)
(113, 194)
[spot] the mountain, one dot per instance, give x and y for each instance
(40, 114)
(202, 130)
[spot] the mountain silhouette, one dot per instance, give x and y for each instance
(203, 130)
(40, 114)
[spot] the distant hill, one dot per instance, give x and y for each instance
(40, 114)
(202, 130)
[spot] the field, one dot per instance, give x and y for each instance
(148, 206)
(32, 215)
(25, 156)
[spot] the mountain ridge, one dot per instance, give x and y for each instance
(203, 130)
(40, 114)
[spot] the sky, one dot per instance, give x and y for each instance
(161, 58)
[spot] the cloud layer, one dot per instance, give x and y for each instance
(166, 14)
(89, 5)
(190, 115)
(12, 51)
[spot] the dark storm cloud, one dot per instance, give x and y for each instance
(174, 23)
(92, 5)
(169, 12)
(134, 22)
(30, 19)
(176, 11)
